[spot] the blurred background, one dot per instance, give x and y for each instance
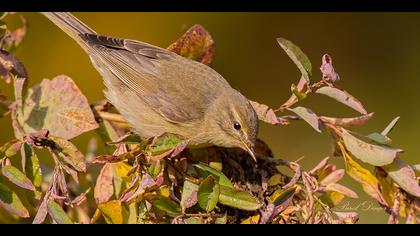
(376, 54)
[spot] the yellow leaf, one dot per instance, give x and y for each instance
(252, 220)
(112, 212)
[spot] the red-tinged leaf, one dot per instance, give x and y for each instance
(58, 106)
(42, 212)
(15, 176)
(11, 202)
(298, 57)
(368, 181)
(343, 97)
(404, 176)
(69, 153)
(189, 195)
(196, 44)
(309, 116)
(104, 188)
(347, 122)
(375, 155)
(79, 200)
(333, 177)
(71, 172)
(327, 69)
(208, 193)
(20, 85)
(13, 148)
(265, 113)
(390, 126)
(112, 212)
(341, 189)
(57, 213)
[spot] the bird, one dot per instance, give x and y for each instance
(158, 91)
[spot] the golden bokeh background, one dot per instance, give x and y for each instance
(376, 54)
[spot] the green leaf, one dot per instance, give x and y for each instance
(238, 199)
(196, 44)
(165, 143)
(164, 204)
(58, 106)
(194, 221)
(369, 182)
(281, 196)
(300, 95)
(189, 195)
(298, 57)
(208, 193)
(57, 213)
(112, 212)
(275, 180)
(221, 220)
(11, 148)
(11, 202)
(391, 125)
(309, 116)
(404, 176)
(69, 153)
(32, 167)
(372, 154)
(343, 97)
(204, 170)
(379, 138)
(17, 177)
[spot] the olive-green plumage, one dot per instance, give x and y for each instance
(158, 91)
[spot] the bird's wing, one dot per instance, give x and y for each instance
(178, 88)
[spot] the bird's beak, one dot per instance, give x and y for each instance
(250, 151)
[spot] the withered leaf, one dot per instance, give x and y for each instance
(404, 176)
(372, 154)
(343, 97)
(368, 181)
(58, 106)
(15, 176)
(347, 122)
(390, 126)
(104, 188)
(265, 113)
(189, 195)
(341, 189)
(11, 64)
(327, 69)
(69, 153)
(196, 44)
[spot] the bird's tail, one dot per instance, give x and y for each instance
(69, 24)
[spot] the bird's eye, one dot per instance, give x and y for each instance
(237, 126)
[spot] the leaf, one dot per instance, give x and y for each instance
(32, 167)
(298, 57)
(343, 97)
(379, 138)
(348, 217)
(404, 176)
(11, 148)
(221, 220)
(112, 212)
(194, 221)
(275, 180)
(300, 95)
(3, 26)
(368, 181)
(309, 116)
(333, 177)
(165, 143)
(20, 85)
(104, 188)
(347, 122)
(58, 106)
(129, 138)
(11, 202)
(42, 211)
(327, 69)
(281, 196)
(390, 126)
(341, 189)
(332, 198)
(17, 177)
(205, 170)
(372, 154)
(265, 113)
(238, 199)
(189, 195)
(57, 213)
(10, 63)
(251, 220)
(69, 153)
(196, 44)
(164, 204)
(208, 193)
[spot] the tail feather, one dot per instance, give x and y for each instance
(69, 24)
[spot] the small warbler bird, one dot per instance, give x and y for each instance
(158, 91)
